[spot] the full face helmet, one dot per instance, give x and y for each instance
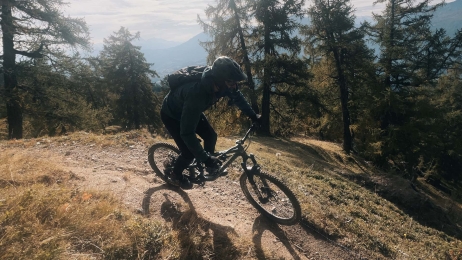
(227, 72)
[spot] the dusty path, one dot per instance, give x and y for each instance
(221, 205)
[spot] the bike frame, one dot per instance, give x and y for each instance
(239, 151)
(236, 151)
(266, 192)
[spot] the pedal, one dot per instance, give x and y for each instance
(216, 173)
(199, 180)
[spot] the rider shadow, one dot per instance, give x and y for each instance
(261, 224)
(287, 234)
(198, 237)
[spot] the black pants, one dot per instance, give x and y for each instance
(203, 129)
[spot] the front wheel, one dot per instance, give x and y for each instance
(161, 156)
(271, 197)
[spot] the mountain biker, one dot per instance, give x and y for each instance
(182, 114)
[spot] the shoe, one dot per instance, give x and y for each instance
(182, 182)
(216, 171)
(169, 162)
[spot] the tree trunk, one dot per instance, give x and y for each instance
(390, 54)
(248, 70)
(136, 107)
(265, 103)
(265, 107)
(347, 140)
(135, 116)
(13, 104)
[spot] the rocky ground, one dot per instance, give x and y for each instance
(220, 204)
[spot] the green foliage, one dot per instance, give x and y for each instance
(446, 148)
(228, 20)
(267, 48)
(55, 103)
(326, 122)
(229, 27)
(128, 77)
(274, 43)
(394, 118)
(412, 60)
(333, 37)
(402, 109)
(33, 29)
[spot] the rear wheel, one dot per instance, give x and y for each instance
(161, 157)
(271, 197)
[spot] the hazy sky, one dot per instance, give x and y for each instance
(174, 20)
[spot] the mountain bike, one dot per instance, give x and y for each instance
(269, 195)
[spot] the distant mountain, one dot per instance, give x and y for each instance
(147, 45)
(167, 60)
(171, 59)
(156, 44)
(449, 17)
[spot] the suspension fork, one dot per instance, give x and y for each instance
(250, 173)
(256, 167)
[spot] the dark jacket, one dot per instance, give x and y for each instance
(189, 101)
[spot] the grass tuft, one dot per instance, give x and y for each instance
(342, 197)
(43, 218)
(366, 210)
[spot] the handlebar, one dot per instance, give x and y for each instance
(252, 127)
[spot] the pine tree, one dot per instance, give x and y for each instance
(31, 29)
(333, 33)
(55, 102)
(229, 23)
(129, 76)
(444, 142)
(412, 56)
(276, 49)
(262, 34)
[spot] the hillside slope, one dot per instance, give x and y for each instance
(349, 210)
(449, 18)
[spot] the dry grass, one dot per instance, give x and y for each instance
(3, 129)
(366, 210)
(202, 239)
(43, 218)
(123, 139)
(342, 197)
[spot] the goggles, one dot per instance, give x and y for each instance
(231, 84)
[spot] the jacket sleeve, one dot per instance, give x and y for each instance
(238, 99)
(190, 117)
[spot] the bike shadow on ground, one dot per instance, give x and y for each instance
(198, 237)
(294, 239)
(260, 225)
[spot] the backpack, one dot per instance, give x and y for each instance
(185, 75)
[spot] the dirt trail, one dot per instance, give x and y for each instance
(220, 204)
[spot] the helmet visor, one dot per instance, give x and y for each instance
(231, 84)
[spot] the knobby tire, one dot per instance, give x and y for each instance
(282, 207)
(158, 154)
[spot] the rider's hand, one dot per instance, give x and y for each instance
(256, 120)
(212, 162)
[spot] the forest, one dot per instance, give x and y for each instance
(397, 104)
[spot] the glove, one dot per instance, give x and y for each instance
(256, 119)
(212, 162)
